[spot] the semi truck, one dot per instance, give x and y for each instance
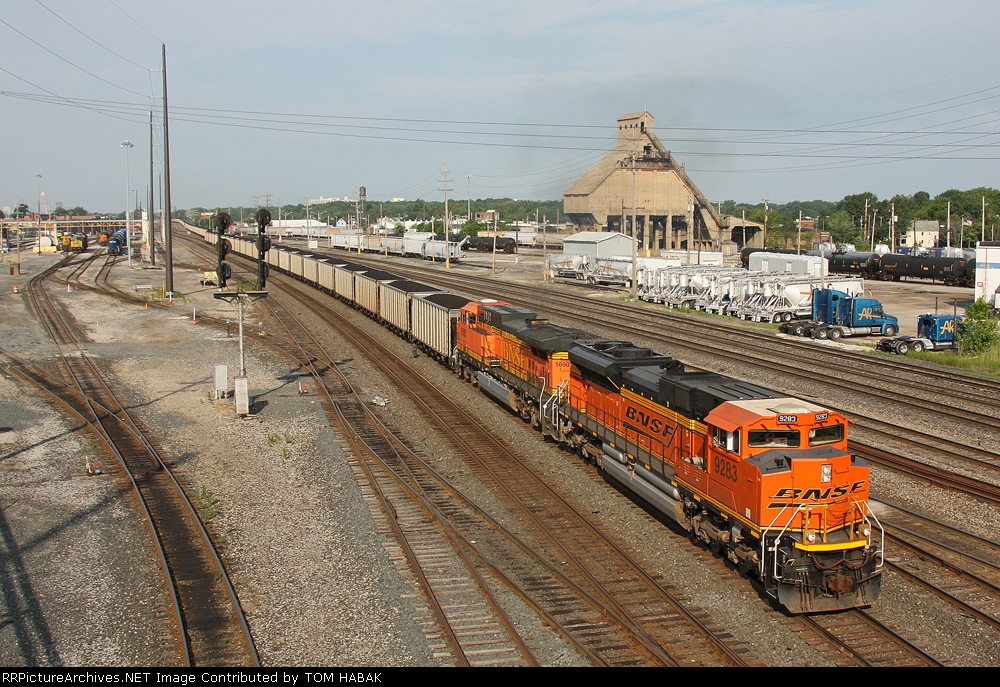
(835, 315)
(934, 333)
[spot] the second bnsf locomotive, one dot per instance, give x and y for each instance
(763, 479)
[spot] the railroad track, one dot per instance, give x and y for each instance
(867, 642)
(210, 627)
(955, 565)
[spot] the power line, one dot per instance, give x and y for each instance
(75, 66)
(95, 42)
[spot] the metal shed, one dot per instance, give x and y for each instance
(598, 244)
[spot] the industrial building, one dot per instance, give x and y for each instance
(639, 176)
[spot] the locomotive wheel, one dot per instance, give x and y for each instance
(902, 348)
(890, 331)
(918, 346)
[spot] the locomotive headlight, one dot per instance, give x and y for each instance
(866, 531)
(811, 537)
(827, 473)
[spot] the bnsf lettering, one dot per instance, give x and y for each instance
(653, 424)
(817, 494)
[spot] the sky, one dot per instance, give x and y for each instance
(284, 101)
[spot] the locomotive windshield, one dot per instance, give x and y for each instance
(773, 438)
(818, 436)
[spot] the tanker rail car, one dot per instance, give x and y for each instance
(764, 480)
(891, 266)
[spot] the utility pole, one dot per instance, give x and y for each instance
(798, 241)
(128, 201)
(635, 220)
(545, 249)
(892, 227)
(167, 241)
(469, 178)
(447, 219)
(765, 222)
(984, 219)
(949, 224)
(152, 234)
(517, 235)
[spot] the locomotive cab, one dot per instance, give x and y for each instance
(784, 467)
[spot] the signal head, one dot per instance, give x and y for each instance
(223, 222)
(263, 218)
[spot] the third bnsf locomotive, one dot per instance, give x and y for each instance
(763, 479)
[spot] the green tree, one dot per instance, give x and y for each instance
(842, 228)
(978, 332)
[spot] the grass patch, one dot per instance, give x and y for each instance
(273, 439)
(203, 502)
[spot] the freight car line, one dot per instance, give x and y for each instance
(211, 627)
(636, 572)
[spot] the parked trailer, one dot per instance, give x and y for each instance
(434, 318)
(395, 303)
(345, 241)
(439, 250)
(988, 273)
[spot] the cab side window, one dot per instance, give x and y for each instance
(727, 441)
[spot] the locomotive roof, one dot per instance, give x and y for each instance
(545, 336)
(609, 358)
(500, 313)
(694, 394)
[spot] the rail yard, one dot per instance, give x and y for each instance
(391, 514)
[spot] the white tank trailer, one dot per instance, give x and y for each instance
(757, 296)
(811, 265)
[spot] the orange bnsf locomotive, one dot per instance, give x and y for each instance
(763, 479)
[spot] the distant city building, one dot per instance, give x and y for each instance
(397, 200)
(486, 217)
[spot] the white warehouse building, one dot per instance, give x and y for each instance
(598, 245)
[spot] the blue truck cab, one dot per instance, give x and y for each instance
(934, 333)
(836, 315)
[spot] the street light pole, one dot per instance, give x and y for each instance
(39, 178)
(128, 200)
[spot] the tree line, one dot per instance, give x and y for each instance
(847, 222)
